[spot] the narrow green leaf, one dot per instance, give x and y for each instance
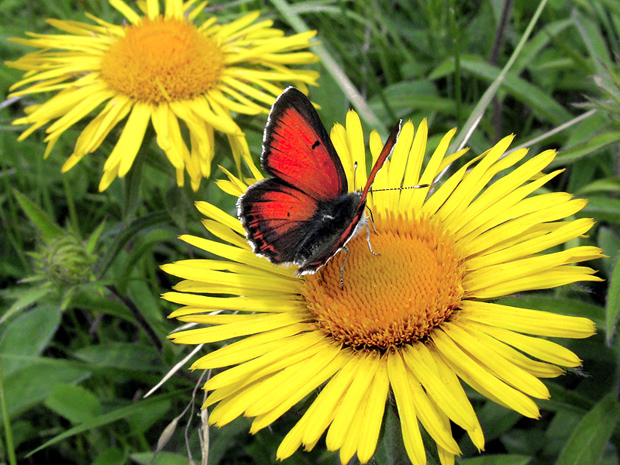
(74, 403)
(149, 310)
(540, 101)
(332, 67)
(587, 442)
(108, 418)
(531, 54)
(407, 97)
(133, 181)
(611, 5)
(608, 240)
(612, 306)
(123, 237)
(611, 185)
(123, 356)
(25, 298)
(140, 248)
(477, 113)
(94, 237)
(41, 220)
(593, 40)
(566, 157)
(164, 458)
(504, 459)
(602, 209)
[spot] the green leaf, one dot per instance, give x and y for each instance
(111, 456)
(27, 335)
(559, 429)
(587, 442)
(131, 357)
(41, 220)
(148, 302)
(142, 421)
(495, 421)
(566, 400)
(108, 418)
(98, 304)
(74, 403)
(612, 306)
(221, 439)
(608, 240)
(31, 385)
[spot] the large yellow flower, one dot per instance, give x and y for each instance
(162, 68)
(416, 320)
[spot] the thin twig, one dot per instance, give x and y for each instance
(139, 318)
(547, 134)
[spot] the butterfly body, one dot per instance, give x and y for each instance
(304, 214)
(332, 226)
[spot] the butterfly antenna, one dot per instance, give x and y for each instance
(354, 173)
(419, 186)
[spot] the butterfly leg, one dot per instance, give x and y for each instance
(372, 219)
(368, 239)
(342, 268)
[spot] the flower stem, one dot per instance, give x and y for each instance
(8, 432)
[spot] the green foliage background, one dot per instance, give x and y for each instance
(76, 360)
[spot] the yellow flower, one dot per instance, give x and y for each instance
(159, 67)
(417, 319)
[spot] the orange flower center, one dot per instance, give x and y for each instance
(390, 299)
(162, 59)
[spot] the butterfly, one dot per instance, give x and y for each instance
(304, 214)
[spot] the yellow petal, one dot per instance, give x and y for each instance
(473, 373)
(399, 380)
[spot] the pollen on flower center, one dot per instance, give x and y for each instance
(390, 299)
(162, 59)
